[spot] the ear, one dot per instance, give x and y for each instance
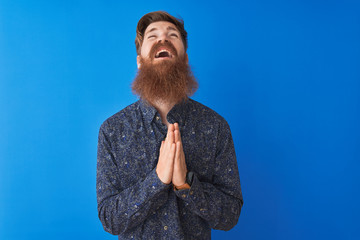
(138, 61)
(187, 58)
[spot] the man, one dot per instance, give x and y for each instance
(166, 165)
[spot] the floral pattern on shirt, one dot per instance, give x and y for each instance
(132, 201)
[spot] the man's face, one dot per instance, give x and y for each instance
(163, 70)
(161, 32)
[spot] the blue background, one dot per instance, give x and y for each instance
(285, 75)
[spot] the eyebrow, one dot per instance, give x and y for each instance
(154, 29)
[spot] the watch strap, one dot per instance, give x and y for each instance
(181, 187)
(189, 178)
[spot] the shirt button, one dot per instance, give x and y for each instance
(166, 228)
(191, 192)
(184, 195)
(157, 118)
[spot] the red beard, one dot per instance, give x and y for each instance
(166, 81)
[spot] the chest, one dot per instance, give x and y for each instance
(137, 152)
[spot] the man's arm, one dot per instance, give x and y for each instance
(123, 209)
(218, 202)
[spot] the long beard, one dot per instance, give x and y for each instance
(167, 81)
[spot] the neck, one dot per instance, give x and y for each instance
(163, 108)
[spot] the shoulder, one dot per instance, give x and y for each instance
(124, 118)
(205, 114)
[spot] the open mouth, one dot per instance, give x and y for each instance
(163, 53)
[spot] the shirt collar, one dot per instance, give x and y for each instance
(147, 110)
(177, 114)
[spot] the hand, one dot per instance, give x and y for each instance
(180, 170)
(165, 165)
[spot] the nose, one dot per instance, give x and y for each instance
(163, 38)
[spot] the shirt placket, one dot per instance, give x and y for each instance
(160, 128)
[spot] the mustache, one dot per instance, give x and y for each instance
(168, 45)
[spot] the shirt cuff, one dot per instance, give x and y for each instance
(188, 193)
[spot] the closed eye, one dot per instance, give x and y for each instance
(152, 36)
(174, 35)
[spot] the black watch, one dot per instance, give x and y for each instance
(189, 178)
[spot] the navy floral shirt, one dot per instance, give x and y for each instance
(132, 201)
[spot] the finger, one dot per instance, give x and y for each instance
(171, 128)
(161, 147)
(169, 131)
(167, 137)
(177, 132)
(172, 151)
(179, 138)
(170, 137)
(181, 145)
(178, 151)
(177, 135)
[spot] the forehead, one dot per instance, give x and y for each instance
(162, 26)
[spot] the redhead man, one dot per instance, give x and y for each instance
(166, 166)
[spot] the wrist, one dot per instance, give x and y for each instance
(181, 187)
(179, 184)
(162, 179)
(187, 183)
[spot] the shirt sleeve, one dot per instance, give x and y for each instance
(219, 202)
(119, 209)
